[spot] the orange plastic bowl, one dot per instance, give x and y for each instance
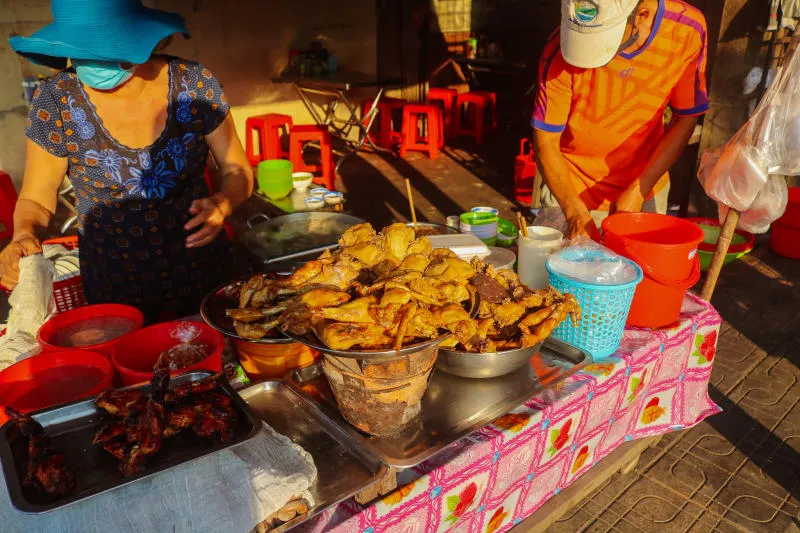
(51, 330)
(272, 361)
(53, 378)
(134, 358)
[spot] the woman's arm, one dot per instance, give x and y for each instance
(236, 185)
(44, 173)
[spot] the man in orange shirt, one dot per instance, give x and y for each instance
(604, 82)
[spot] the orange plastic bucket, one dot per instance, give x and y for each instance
(666, 249)
(272, 361)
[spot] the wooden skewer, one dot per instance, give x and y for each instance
(411, 203)
(523, 224)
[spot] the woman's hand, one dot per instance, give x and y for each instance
(211, 214)
(22, 246)
(630, 201)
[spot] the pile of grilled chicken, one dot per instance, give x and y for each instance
(47, 469)
(390, 289)
(136, 424)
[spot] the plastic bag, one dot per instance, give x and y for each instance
(769, 205)
(734, 174)
(587, 261)
(186, 352)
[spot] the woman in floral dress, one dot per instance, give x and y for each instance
(132, 132)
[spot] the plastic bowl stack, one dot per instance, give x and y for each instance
(482, 224)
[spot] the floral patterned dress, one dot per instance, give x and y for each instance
(133, 203)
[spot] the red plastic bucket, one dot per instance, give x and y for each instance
(53, 335)
(785, 240)
(666, 249)
(134, 359)
(53, 378)
(791, 217)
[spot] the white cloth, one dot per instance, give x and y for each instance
(232, 490)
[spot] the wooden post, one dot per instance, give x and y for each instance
(723, 243)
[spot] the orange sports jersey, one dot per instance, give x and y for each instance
(612, 117)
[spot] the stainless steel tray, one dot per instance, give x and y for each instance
(452, 407)
(344, 468)
(71, 428)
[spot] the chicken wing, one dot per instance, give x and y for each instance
(397, 238)
(344, 336)
(356, 311)
(450, 269)
(358, 234)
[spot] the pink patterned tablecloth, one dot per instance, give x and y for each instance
(491, 480)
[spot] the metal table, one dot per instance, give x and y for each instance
(335, 88)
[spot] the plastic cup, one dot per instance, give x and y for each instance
(533, 252)
(275, 178)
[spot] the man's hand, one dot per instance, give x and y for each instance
(211, 213)
(22, 246)
(630, 201)
(581, 225)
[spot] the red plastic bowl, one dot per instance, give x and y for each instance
(49, 330)
(53, 378)
(134, 358)
(785, 240)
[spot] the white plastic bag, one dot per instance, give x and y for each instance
(734, 174)
(769, 205)
(587, 261)
(186, 352)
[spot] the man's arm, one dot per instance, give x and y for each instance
(667, 152)
(551, 164)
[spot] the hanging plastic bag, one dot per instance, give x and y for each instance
(769, 205)
(734, 174)
(186, 352)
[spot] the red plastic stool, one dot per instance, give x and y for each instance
(297, 139)
(473, 105)
(269, 131)
(524, 173)
(492, 106)
(447, 97)
(412, 140)
(8, 199)
(386, 135)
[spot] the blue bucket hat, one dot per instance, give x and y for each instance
(100, 30)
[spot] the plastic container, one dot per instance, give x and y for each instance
(785, 240)
(481, 224)
(666, 249)
(302, 180)
(485, 209)
(273, 361)
(463, 245)
(604, 310)
(507, 233)
(791, 217)
(53, 378)
(275, 178)
(67, 293)
(534, 250)
(51, 330)
(501, 258)
(741, 243)
(134, 359)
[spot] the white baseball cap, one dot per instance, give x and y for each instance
(592, 30)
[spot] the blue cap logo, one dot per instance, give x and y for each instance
(585, 11)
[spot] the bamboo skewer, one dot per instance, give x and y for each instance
(523, 224)
(411, 203)
(724, 241)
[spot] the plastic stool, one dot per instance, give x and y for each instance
(525, 174)
(492, 106)
(8, 200)
(474, 105)
(386, 135)
(447, 97)
(412, 140)
(268, 127)
(306, 133)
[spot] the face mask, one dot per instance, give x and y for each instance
(101, 75)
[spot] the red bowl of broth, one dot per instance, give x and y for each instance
(94, 328)
(53, 378)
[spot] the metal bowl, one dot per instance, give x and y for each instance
(484, 365)
(440, 229)
(224, 297)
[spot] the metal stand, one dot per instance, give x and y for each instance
(342, 126)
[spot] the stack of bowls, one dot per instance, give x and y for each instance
(482, 224)
(275, 178)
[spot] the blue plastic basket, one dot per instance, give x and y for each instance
(604, 311)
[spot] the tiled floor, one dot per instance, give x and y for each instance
(739, 470)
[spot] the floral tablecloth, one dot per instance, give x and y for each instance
(491, 480)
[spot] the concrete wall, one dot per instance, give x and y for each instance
(245, 43)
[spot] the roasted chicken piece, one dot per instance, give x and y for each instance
(344, 336)
(253, 314)
(355, 311)
(508, 313)
(340, 273)
(146, 431)
(538, 326)
(47, 469)
(417, 262)
(194, 387)
(450, 269)
(421, 246)
(396, 240)
(118, 402)
(255, 331)
(358, 234)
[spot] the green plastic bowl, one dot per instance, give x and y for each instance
(741, 243)
(507, 233)
(275, 178)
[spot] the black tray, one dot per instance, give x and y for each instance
(71, 428)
